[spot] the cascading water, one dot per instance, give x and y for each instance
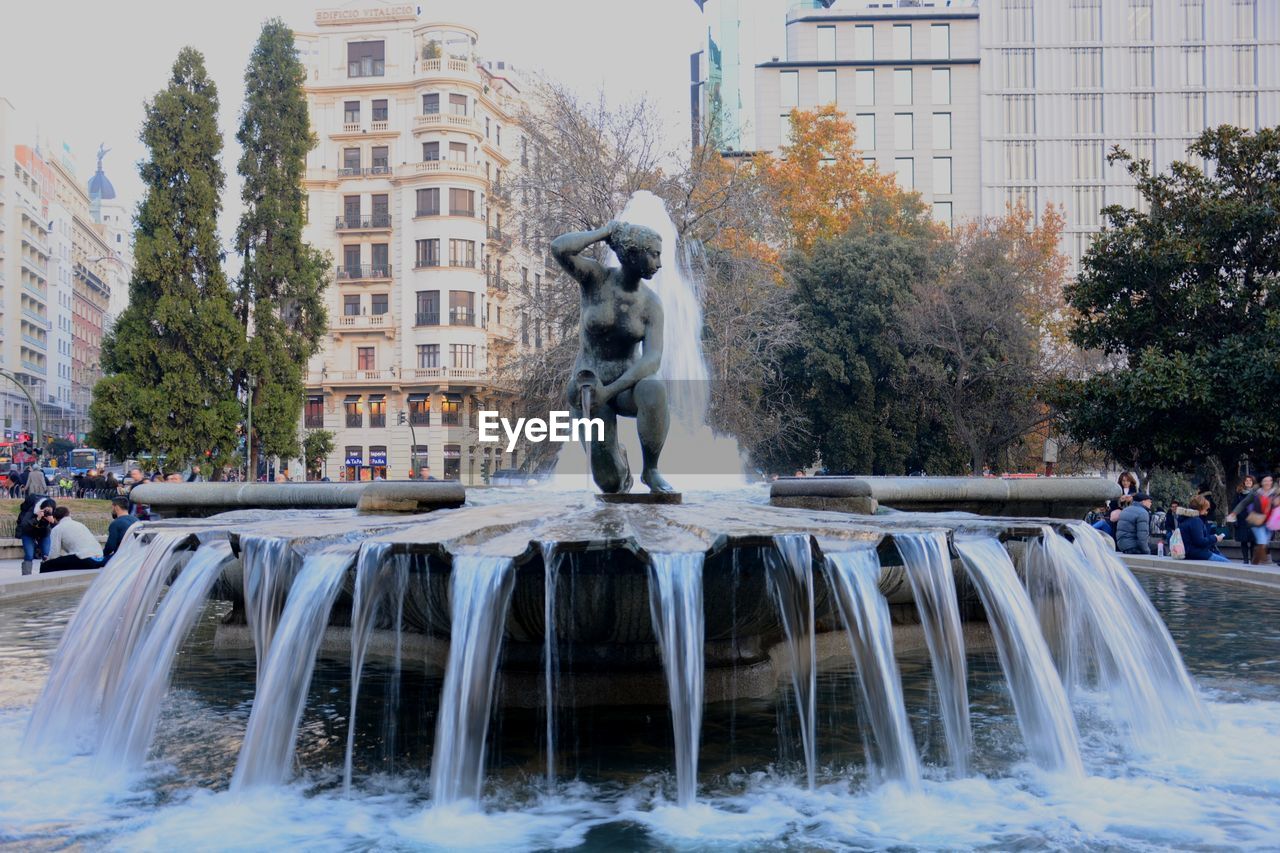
(928, 569)
(129, 722)
(96, 645)
(1039, 699)
(480, 593)
(854, 577)
(1112, 632)
(699, 458)
(551, 566)
(268, 570)
(791, 584)
(675, 603)
(380, 587)
(267, 753)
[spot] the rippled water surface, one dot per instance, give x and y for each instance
(1217, 788)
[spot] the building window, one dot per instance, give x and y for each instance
(864, 87)
(1140, 20)
(784, 130)
(940, 41)
(1087, 202)
(1246, 110)
(351, 261)
(1193, 66)
(1086, 20)
(377, 412)
(428, 202)
(351, 160)
(380, 265)
(1087, 160)
(1246, 62)
(1144, 149)
(1242, 11)
(351, 112)
(428, 356)
(451, 410)
(826, 44)
(381, 161)
(1024, 197)
(864, 43)
(942, 213)
(366, 59)
(940, 83)
(902, 86)
(1143, 113)
(427, 308)
(463, 356)
(905, 172)
(864, 133)
(355, 415)
(366, 358)
(942, 130)
(1088, 67)
(901, 41)
(1143, 66)
(462, 202)
(1193, 20)
(380, 110)
(430, 151)
(1019, 69)
(458, 104)
(826, 87)
(1018, 22)
(903, 132)
(1193, 112)
(351, 305)
(420, 404)
(942, 176)
(428, 253)
(462, 253)
(458, 152)
(790, 92)
(1019, 114)
(462, 308)
(1020, 160)
(431, 104)
(1088, 113)
(315, 412)
(378, 304)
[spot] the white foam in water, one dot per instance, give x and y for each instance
(130, 720)
(96, 645)
(480, 593)
(1039, 699)
(854, 577)
(791, 583)
(675, 604)
(266, 757)
(928, 568)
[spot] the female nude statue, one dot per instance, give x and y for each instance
(619, 314)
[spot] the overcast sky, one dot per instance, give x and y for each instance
(79, 71)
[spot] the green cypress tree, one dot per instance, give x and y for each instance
(279, 299)
(171, 358)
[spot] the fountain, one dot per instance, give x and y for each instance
(558, 671)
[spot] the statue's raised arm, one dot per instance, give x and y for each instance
(567, 249)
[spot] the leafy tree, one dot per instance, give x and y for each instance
(279, 298)
(316, 447)
(171, 358)
(981, 333)
(1182, 299)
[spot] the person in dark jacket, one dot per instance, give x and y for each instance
(1172, 518)
(1197, 534)
(35, 521)
(122, 520)
(1243, 534)
(1133, 529)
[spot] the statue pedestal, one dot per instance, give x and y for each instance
(642, 498)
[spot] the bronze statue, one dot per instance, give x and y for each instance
(614, 374)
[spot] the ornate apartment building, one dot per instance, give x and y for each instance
(415, 137)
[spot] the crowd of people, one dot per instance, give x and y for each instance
(58, 542)
(1188, 530)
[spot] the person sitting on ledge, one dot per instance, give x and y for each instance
(1133, 529)
(122, 521)
(1198, 537)
(73, 546)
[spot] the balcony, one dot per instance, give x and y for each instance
(496, 284)
(442, 167)
(36, 342)
(364, 272)
(363, 323)
(370, 172)
(462, 317)
(426, 318)
(42, 322)
(447, 121)
(450, 67)
(379, 126)
(352, 377)
(356, 128)
(493, 232)
(468, 373)
(377, 222)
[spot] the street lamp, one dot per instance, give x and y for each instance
(413, 448)
(251, 471)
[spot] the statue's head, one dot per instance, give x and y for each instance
(638, 248)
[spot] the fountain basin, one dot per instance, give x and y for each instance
(199, 500)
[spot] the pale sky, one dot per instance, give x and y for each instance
(80, 71)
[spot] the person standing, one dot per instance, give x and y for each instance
(1243, 535)
(36, 483)
(72, 545)
(1254, 509)
(1197, 533)
(122, 520)
(1133, 529)
(35, 519)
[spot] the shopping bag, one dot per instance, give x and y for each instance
(1176, 549)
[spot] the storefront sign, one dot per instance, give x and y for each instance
(378, 458)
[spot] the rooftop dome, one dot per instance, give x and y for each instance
(99, 186)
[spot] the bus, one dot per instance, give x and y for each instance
(83, 459)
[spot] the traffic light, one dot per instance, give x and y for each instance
(400, 419)
(484, 468)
